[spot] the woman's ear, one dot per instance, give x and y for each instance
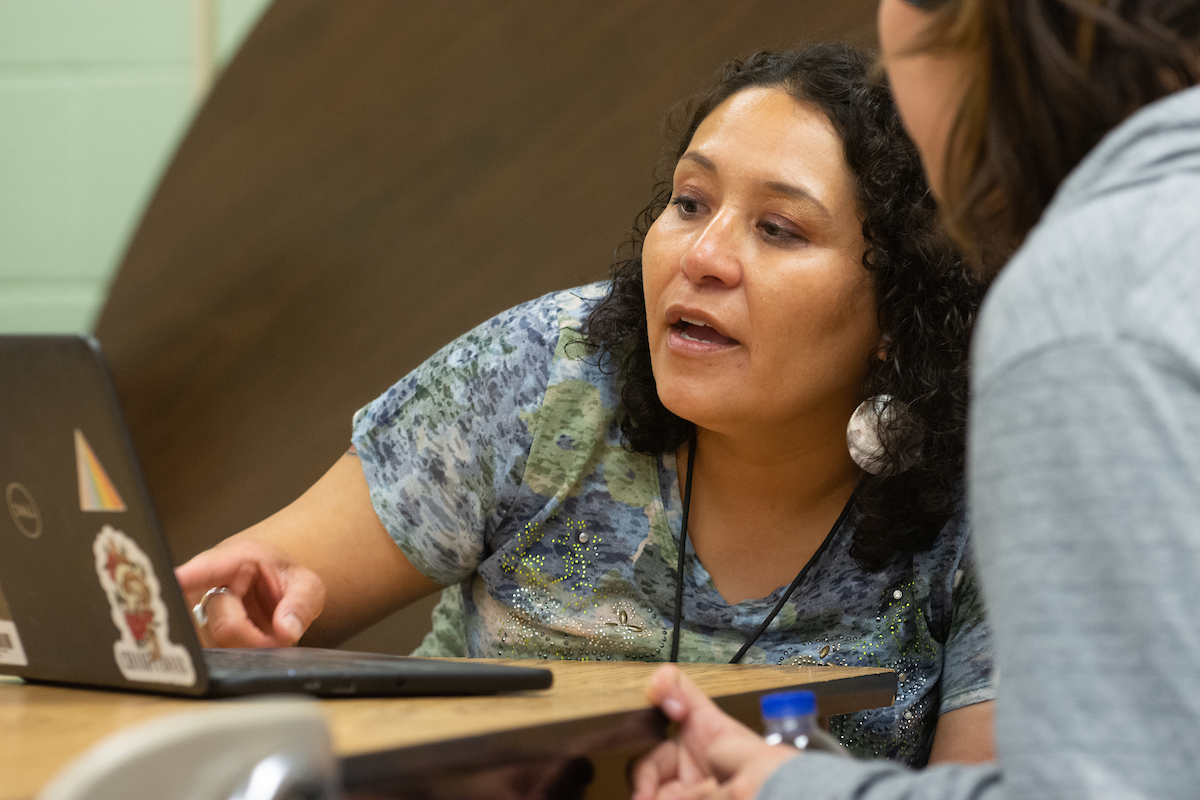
(885, 344)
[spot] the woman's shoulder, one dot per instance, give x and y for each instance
(574, 305)
(537, 324)
(575, 420)
(448, 449)
(501, 368)
(543, 330)
(562, 309)
(573, 364)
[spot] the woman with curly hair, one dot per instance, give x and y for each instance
(658, 467)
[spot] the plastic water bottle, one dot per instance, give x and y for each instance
(791, 718)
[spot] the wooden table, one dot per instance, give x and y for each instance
(443, 746)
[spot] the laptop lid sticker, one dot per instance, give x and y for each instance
(24, 510)
(96, 489)
(145, 651)
(11, 651)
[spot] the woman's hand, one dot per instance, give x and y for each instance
(714, 755)
(323, 568)
(271, 600)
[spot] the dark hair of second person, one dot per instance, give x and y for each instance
(926, 301)
(1064, 74)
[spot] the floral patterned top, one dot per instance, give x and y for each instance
(498, 468)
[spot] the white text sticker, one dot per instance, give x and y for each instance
(11, 651)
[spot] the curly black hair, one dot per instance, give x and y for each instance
(926, 299)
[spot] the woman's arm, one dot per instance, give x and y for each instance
(965, 735)
(323, 567)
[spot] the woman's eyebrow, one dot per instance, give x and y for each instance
(797, 192)
(703, 161)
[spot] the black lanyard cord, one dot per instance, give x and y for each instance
(687, 502)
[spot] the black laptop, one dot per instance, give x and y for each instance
(87, 586)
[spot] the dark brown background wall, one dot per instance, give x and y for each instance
(369, 179)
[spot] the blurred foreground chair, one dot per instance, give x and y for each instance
(250, 750)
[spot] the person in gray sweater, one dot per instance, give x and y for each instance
(1062, 138)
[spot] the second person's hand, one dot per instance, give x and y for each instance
(713, 757)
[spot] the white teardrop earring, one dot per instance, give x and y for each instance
(864, 442)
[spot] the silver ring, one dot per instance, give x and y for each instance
(199, 610)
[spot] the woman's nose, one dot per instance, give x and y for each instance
(714, 256)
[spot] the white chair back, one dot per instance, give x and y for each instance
(247, 750)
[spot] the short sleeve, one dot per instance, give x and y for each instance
(967, 665)
(444, 449)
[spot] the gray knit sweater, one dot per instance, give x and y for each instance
(1084, 483)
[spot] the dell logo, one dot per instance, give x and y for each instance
(23, 510)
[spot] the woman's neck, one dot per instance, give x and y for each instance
(761, 508)
(791, 474)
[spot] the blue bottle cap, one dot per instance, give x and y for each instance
(798, 703)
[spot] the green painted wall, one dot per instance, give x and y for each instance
(93, 99)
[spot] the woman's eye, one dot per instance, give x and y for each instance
(686, 205)
(776, 232)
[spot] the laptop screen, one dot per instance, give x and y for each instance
(89, 590)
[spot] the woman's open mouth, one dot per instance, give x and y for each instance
(696, 331)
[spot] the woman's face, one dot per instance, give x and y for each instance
(759, 310)
(929, 88)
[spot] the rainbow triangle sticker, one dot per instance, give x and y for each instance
(96, 490)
